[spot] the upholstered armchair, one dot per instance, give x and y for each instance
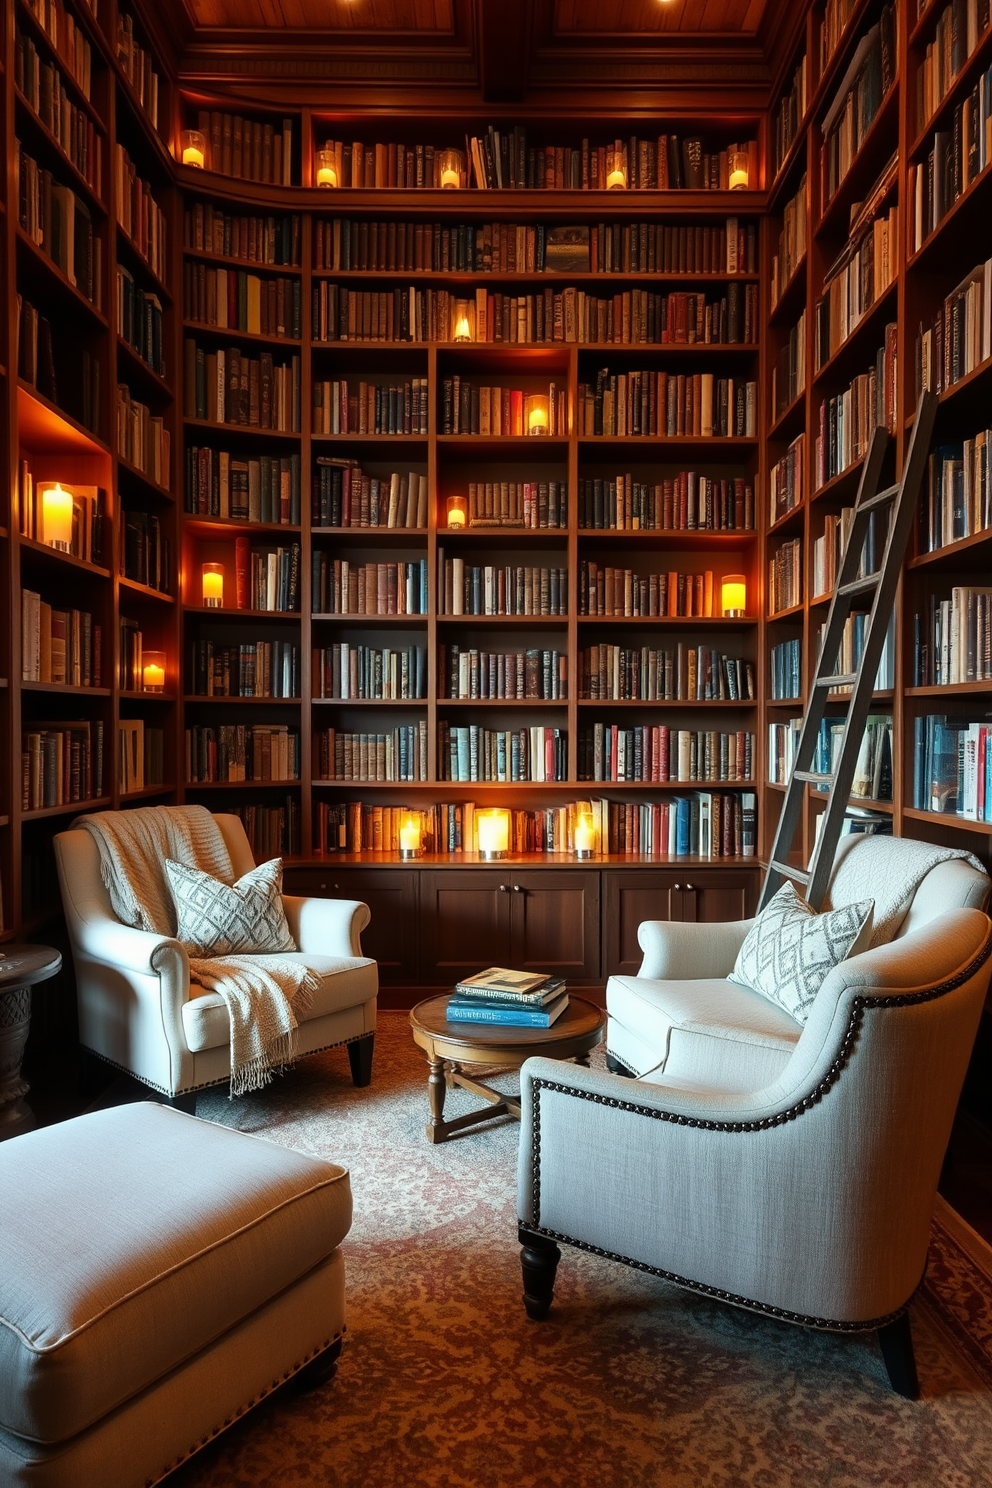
(137, 1009)
(788, 1170)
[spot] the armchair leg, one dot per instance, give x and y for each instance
(185, 1101)
(539, 1262)
(360, 1058)
(896, 1341)
(616, 1068)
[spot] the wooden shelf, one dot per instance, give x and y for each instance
(243, 431)
(244, 265)
(256, 338)
(44, 428)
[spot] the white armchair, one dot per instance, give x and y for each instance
(137, 1009)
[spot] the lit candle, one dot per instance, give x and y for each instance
(457, 512)
(56, 515)
(494, 832)
(153, 671)
(585, 837)
(449, 180)
(616, 168)
(327, 168)
(733, 594)
(194, 149)
(615, 181)
(410, 837)
(737, 161)
(537, 415)
(213, 585)
(450, 166)
(462, 331)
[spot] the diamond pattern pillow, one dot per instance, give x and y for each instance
(790, 949)
(219, 919)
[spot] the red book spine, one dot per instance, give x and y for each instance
(242, 570)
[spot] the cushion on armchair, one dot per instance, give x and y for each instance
(790, 949)
(219, 919)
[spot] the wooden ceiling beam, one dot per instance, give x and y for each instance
(503, 31)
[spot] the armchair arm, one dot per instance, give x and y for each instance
(328, 927)
(139, 951)
(676, 951)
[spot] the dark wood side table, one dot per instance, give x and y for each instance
(448, 1046)
(21, 966)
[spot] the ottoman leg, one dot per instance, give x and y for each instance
(360, 1057)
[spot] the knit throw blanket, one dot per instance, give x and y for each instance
(264, 995)
(871, 867)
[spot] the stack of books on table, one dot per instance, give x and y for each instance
(516, 999)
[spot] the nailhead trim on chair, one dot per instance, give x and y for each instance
(208, 1084)
(858, 1007)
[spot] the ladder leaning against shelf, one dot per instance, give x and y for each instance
(851, 586)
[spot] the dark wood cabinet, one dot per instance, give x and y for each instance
(391, 895)
(668, 894)
(465, 923)
(718, 896)
(555, 922)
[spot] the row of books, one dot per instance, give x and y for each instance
(142, 437)
(343, 245)
(785, 589)
(604, 590)
(851, 650)
(656, 754)
(830, 546)
(262, 488)
(790, 249)
(958, 29)
(493, 589)
(146, 551)
(470, 408)
(689, 673)
(73, 130)
(957, 493)
(470, 752)
(61, 763)
(786, 670)
(272, 831)
(952, 162)
(252, 149)
(789, 369)
(139, 214)
(953, 640)
(137, 64)
(788, 116)
(873, 768)
(235, 300)
(273, 578)
(61, 646)
(388, 673)
(140, 755)
(787, 478)
(668, 404)
(139, 321)
(343, 407)
(272, 240)
(59, 223)
(67, 38)
(130, 654)
(960, 338)
(952, 766)
(398, 755)
(857, 101)
(854, 282)
(836, 16)
(240, 751)
(249, 670)
(704, 824)
(227, 386)
(88, 535)
(340, 587)
(517, 504)
(35, 350)
(687, 502)
(466, 672)
(346, 496)
(848, 420)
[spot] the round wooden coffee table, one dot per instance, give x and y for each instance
(448, 1046)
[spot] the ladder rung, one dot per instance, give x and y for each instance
(879, 499)
(799, 874)
(839, 679)
(811, 777)
(860, 586)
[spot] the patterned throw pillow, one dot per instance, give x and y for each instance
(790, 949)
(218, 919)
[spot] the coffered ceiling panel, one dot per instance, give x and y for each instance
(387, 17)
(632, 18)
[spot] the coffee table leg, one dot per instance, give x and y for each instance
(436, 1086)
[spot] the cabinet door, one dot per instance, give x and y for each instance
(629, 898)
(391, 895)
(712, 897)
(465, 923)
(555, 922)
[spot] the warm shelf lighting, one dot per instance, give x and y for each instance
(56, 516)
(493, 827)
(536, 414)
(463, 323)
(738, 165)
(733, 594)
(410, 837)
(585, 835)
(153, 671)
(450, 170)
(213, 585)
(194, 147)
(457, 509)
(616, 168)
(327, 168)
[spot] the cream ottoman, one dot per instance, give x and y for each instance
(158, 1277)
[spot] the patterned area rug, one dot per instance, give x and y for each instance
(630, 1383)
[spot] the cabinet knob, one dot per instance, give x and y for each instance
(323, 886)
(504, 888)
(518, 888)
(690, 888)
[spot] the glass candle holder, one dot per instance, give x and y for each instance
(585, 836)
(213, 586)
(463, 321)
(449, 170)
(493, 827)
(616, 168)
(194, 148)
(733, 594)
(457, 513)
(153, 671)
(738, 164)
(536, 414)
(410, 837)
(327, 168)
(56, 517)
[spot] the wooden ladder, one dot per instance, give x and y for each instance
(881, 586)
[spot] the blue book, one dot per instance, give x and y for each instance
(466, 1010)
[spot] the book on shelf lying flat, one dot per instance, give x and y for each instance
(527, 994)
(469, 1010)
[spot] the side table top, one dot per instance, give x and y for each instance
(24, 965)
